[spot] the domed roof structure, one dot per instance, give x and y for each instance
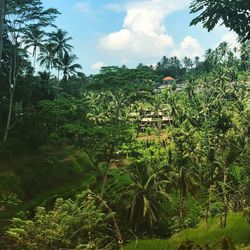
(168, 78)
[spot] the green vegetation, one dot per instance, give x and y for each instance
(238, 230)
(233, 14)
(95, 162)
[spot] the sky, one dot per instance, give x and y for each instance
(118, 32)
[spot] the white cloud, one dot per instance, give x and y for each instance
(97, 65)
(231, 38)
(117, 40)
(83, 7)
(189, 47)
(143, 34)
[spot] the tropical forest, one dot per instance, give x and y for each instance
(124, 125)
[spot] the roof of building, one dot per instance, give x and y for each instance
(168, 78)
(165, 118)
(147, 119)
(134, 114)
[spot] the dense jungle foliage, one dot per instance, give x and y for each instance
(86, 162)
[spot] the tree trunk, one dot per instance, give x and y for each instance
(9, 116)
(104, 179)
(12, 85)
(181, 212)
(2, 16)
(106, 172)
(225, 216)
(208, 209)
(34, 63)
(225, 174)
(58, 81)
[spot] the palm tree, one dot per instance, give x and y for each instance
(245, 55)
(221, 76)
(47, 56)
(147, 193)
(33, 38)
(67, 65)
(59, 42)
(211, 59)
(197, 63)
(188, 64)
(176, 65)
(183, 165)
(223, 50)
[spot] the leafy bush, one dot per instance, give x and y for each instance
(78, 223)
(8, 199)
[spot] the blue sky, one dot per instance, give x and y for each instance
(129, 32)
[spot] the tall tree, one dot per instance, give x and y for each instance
(197, 64)
(233, 14)
(245, 55)
(59, 41)
(2, 17)
(19, 16)
(187, 62)
(34, 38)
(67, 65)
(146, 194)
(223, 51)
(47, 56)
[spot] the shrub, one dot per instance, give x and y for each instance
(78, 223)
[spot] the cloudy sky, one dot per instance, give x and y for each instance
(118, 32)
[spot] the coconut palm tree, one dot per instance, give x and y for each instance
(245, 55)
(223, 50)
(210, 60)
(47, 56)
(34, 38)
(59, 41)
(188, 63)
(147, 195)
(221, 76)
(67, 65)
